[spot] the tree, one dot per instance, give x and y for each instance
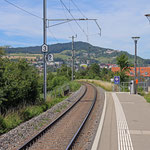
(64, 71)
(123, 63)
(18, 84)
(95, 68)
(94, 71)
(106, 74)
(81, 74)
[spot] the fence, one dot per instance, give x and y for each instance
(143, 85)
(125, 86)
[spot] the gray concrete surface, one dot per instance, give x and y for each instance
(137, 112)
(109, 140)
(137, 115)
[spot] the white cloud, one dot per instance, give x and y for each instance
(119, 20)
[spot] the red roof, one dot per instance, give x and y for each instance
(142, 71)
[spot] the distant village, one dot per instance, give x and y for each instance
(37, 61)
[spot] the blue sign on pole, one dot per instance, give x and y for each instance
(116, 79)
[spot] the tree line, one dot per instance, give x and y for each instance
(21, 84)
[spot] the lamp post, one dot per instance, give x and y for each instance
(135, 64)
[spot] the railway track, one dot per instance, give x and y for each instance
(62, 133)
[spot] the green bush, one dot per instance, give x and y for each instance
(97, 78)
(44, 106)
(56, 81)
(18, 84)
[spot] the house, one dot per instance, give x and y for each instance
(141, 71)
(107, 66)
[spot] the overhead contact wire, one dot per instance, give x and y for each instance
(22, 9)
(67, 18)
(78, 8)
(73, 18)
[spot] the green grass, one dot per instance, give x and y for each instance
(13, 119)
(105, 59)
(25, 54)
(62, 56)
(74, 86)
(66, 51)
(147, 97)
(32, 111)
(9, 122)
(103, 84)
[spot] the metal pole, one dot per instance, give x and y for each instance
(73, 58)
(44, 42)
(135, 65)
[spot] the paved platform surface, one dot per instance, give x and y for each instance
(126, 124)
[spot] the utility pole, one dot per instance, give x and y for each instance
(73, 57)
(44, 45)
(88, 61)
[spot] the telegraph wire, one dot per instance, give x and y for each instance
(67, 18)
(86, 17)
(63, 4)
(73, 17)
(53, 36)
(22, 9)
(78, 8)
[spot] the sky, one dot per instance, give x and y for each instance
(119, 21)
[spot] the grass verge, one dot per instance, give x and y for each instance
(146, 96)
(103, 84)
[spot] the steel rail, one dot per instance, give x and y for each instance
(41, 133)
(70, 145)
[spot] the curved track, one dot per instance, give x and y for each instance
(61, 134)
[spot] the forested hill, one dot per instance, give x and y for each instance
(97, 54)
(55, 48)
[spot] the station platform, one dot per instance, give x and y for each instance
(125, 125)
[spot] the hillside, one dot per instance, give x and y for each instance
(83, 51)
